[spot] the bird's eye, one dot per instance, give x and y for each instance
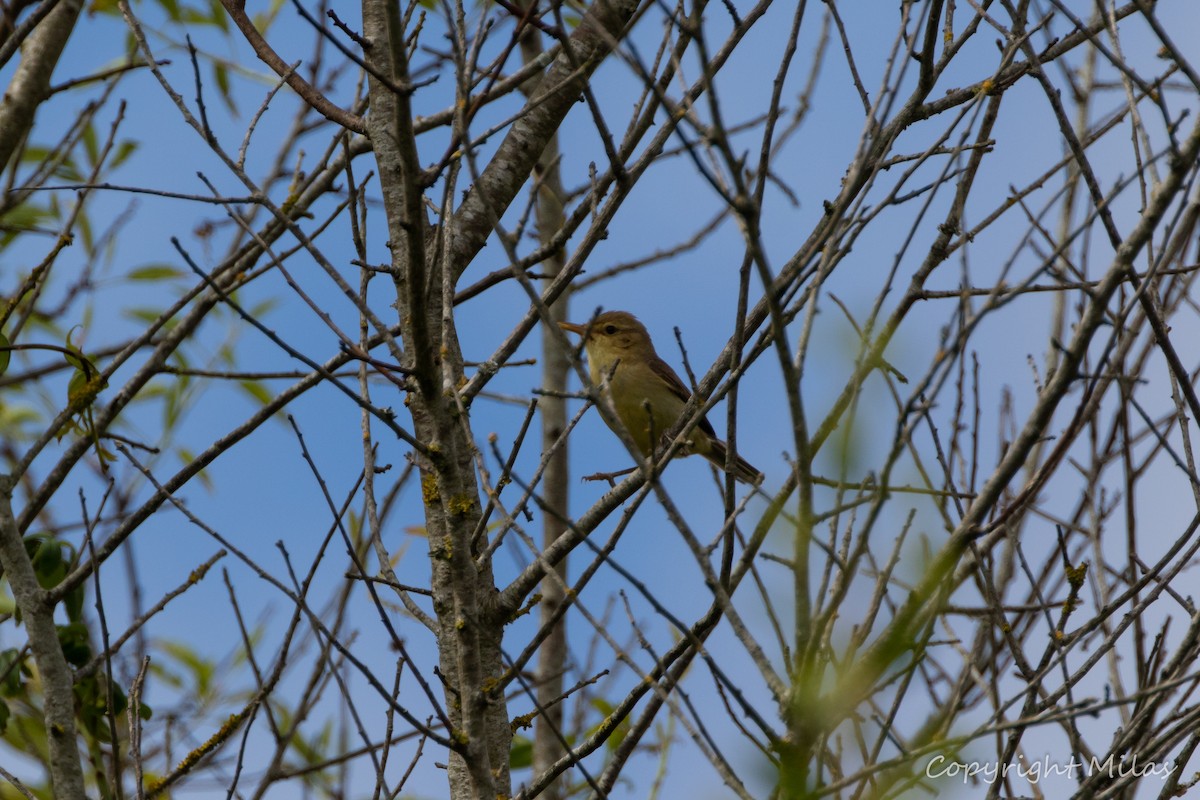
(610, 329)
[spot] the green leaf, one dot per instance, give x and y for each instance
(91, 147)
(221, 76)
(77, 389)
(85, 383)
(195, 16)
(256, 390)
(172, 9)
(263, 21)
(202, 670)
(76, 647)
(602, 705)
(155, 272)
(119, 701)
(5, 353)
(13, 417)
(104, 7)
(520, 753)
(186, 456)
(90, 704)
(35, 154)
(73, 602)
(144, 315)
(261, 309)
(619, 733)
(219, 17)
(68, 171)
(84, 225)
(11, 667)
(73, 357)
(25, 217)
(124, 150)
(48, 562)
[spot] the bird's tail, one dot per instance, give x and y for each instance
(743, 470)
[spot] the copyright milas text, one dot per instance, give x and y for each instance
(1033, 771)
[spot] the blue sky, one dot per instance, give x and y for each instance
(262, 492)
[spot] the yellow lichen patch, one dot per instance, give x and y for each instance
(429, 489)
(226, 730)
(1077, 575)
(445, 551)
(525, 609)
(460, 505)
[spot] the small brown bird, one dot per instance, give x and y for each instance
(646, 393)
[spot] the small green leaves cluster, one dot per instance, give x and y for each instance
(95, 696)
(84, 387)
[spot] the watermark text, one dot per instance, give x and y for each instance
(1125, 766)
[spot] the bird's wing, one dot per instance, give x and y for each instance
(664, 371)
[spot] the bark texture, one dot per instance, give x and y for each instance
(425, 264)
(30, 84)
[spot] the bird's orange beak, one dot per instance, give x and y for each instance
(573, 328)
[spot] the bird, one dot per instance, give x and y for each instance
(646, 393)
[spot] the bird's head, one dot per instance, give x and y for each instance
(611, 336)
